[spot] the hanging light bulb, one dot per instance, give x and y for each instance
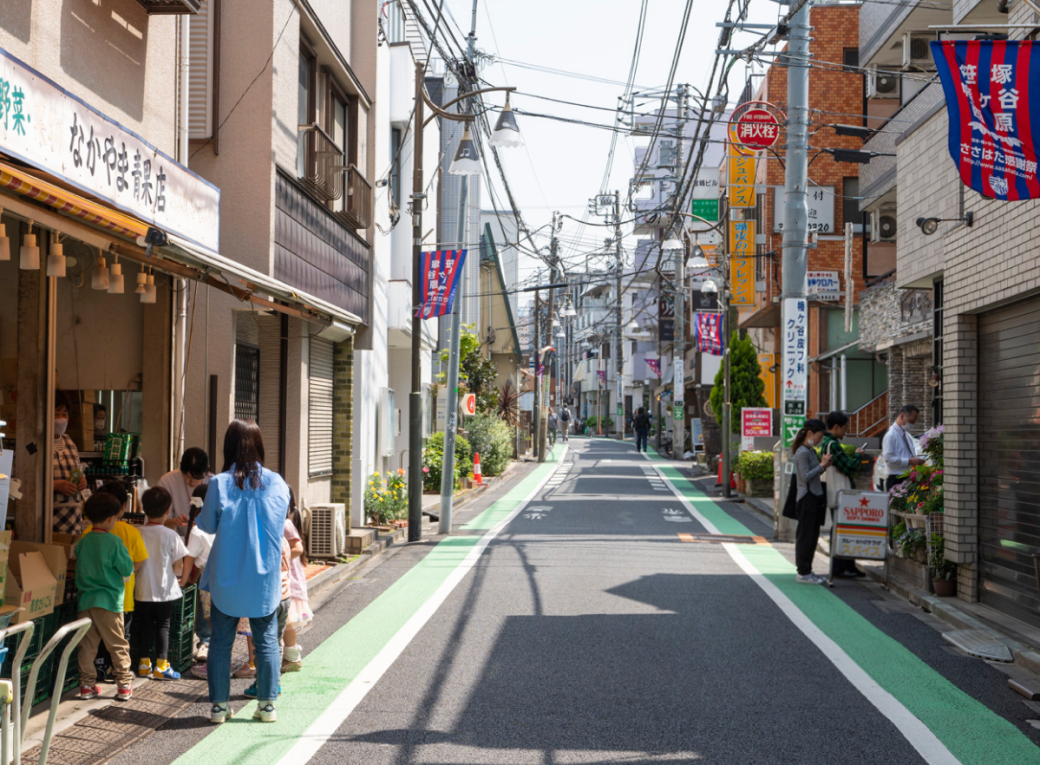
(115, 279)
(56, 259)
(697, 259)
(709, 287)
(99, 279)
(506, 133)
(568, 308)
(142, 281)
(149, 289)
(5, 243)
(29, 254)
(466, 161)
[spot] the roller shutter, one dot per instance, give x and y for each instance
(320, 407)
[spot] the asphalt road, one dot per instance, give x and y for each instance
(589, 631)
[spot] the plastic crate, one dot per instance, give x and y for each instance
(182, 621)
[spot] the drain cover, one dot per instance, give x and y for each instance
(723, 538)
(980, 643)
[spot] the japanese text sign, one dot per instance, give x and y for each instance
(992, 112)
(819, 211)
(755, 422)
(824, 285)
(796, 355)
(741, 179)
(49, 128)
(861, 525)
(757, 129)
(742, 237)
(441, 270)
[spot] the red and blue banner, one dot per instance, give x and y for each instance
(709, 332)
(992, 108)
(655, 366)
(441, 271)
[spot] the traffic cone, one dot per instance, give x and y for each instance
(476, 470)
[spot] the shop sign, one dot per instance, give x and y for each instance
(742, 237)
(678, 382)
(795, 361)
(666, 314)
(49, 128)
(620, 393)
(824, 285)
(861, 525)
(990, 138)
(768, 377)
(819, 211)
(757, 129)
(469, 404)
(706, 208)
(740, 178)
(755, 422)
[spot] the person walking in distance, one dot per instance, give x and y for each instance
(899, 450)
(565, 422)
(553, 421)
(641, 425)
(811, 500)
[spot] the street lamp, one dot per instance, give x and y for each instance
(671, 245)
(709, 287)
(568, 308)
(506, 133)
(697, 259)
(466, 161)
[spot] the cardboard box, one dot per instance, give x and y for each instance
(33, 588)
(68, 543)
(55, 556)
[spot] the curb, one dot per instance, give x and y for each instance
(1023, 655)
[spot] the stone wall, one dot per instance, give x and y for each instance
(343, 425)
(882, 323)
(909, 369)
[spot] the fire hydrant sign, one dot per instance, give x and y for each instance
(755, 422)
(861, 525)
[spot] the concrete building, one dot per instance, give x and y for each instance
(976, 287)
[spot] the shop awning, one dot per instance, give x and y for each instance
(55, 207)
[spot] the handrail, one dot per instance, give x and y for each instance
(16, 680)
(80, 626)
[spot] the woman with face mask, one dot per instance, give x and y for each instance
(68, 474)
(812, 501)
(194, 471)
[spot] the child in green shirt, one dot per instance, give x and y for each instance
(103, 566)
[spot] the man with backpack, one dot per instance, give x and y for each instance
(565, 421)
(551, 433)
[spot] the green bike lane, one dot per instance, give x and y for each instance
(337, 674)
(945, 724)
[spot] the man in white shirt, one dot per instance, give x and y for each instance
(899, 450)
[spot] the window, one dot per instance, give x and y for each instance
(850, 58)
(305, 105)
(395, 166)
(394, 24)
(850, 203)
(320, 407)
(247, 382)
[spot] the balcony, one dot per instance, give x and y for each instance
(171, 7)
(323, 172)
(882, 27)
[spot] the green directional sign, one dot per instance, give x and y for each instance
(705, 208)
(792, 424)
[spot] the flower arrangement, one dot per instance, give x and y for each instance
(932, 443)
(910, 542)
(386, 497)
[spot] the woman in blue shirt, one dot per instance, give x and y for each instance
(245, 507)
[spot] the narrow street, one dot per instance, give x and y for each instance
(583, 618)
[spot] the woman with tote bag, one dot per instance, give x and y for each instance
(840, 476)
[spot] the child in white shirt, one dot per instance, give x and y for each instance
(157, 588)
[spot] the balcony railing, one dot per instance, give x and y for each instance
(357, 210)
(323, 172)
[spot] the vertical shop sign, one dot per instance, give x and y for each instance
(742, 236)
(740, 176)
(795, 366)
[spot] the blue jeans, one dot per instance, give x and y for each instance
(268, 656)
(641, 436)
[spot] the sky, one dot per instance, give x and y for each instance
(562, 165)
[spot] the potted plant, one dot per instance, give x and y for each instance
(756, 469)
(944, 572)
(911, 544)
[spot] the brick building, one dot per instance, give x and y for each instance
(842, 375)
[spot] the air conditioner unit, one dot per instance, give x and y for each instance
(916, 54)
(882, 84)
(883, 225)
(328, 532)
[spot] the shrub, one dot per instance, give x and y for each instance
(608, 422)
(386, 497)
(755, 466)
(492, 439)
(433, 458)
(745, 382)
(463, 453)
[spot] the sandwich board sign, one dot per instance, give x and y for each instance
(860, 526)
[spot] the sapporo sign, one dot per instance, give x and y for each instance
(861, 525)
(49, 128)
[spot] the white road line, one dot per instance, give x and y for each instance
(332, 718)
(916, 732)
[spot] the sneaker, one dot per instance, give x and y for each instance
(251, 691)
(806, 579)
(166, 674)
(202, 652)
(144, 669)
(89, 691)
(265, 712)
(199, 670)
(291, 666)
(220, 713)
(820, 578)
(124, 693)
(246, 670)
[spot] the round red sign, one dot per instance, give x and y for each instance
(757, 129)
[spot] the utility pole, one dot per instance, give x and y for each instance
(727, 416)
(452, 424)
(679, 341)
(619, 364)
(537, 410)
(415, 404)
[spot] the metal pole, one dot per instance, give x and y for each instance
(679, 357)
(452, 408)
(795, 253)
(415, 407)
(727, 416)
(619, 364)
(537, 411)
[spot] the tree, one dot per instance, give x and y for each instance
(746, 387)
(476, 373)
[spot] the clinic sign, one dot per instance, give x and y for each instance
(795, 365)
(51, 129)
(861, 525)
